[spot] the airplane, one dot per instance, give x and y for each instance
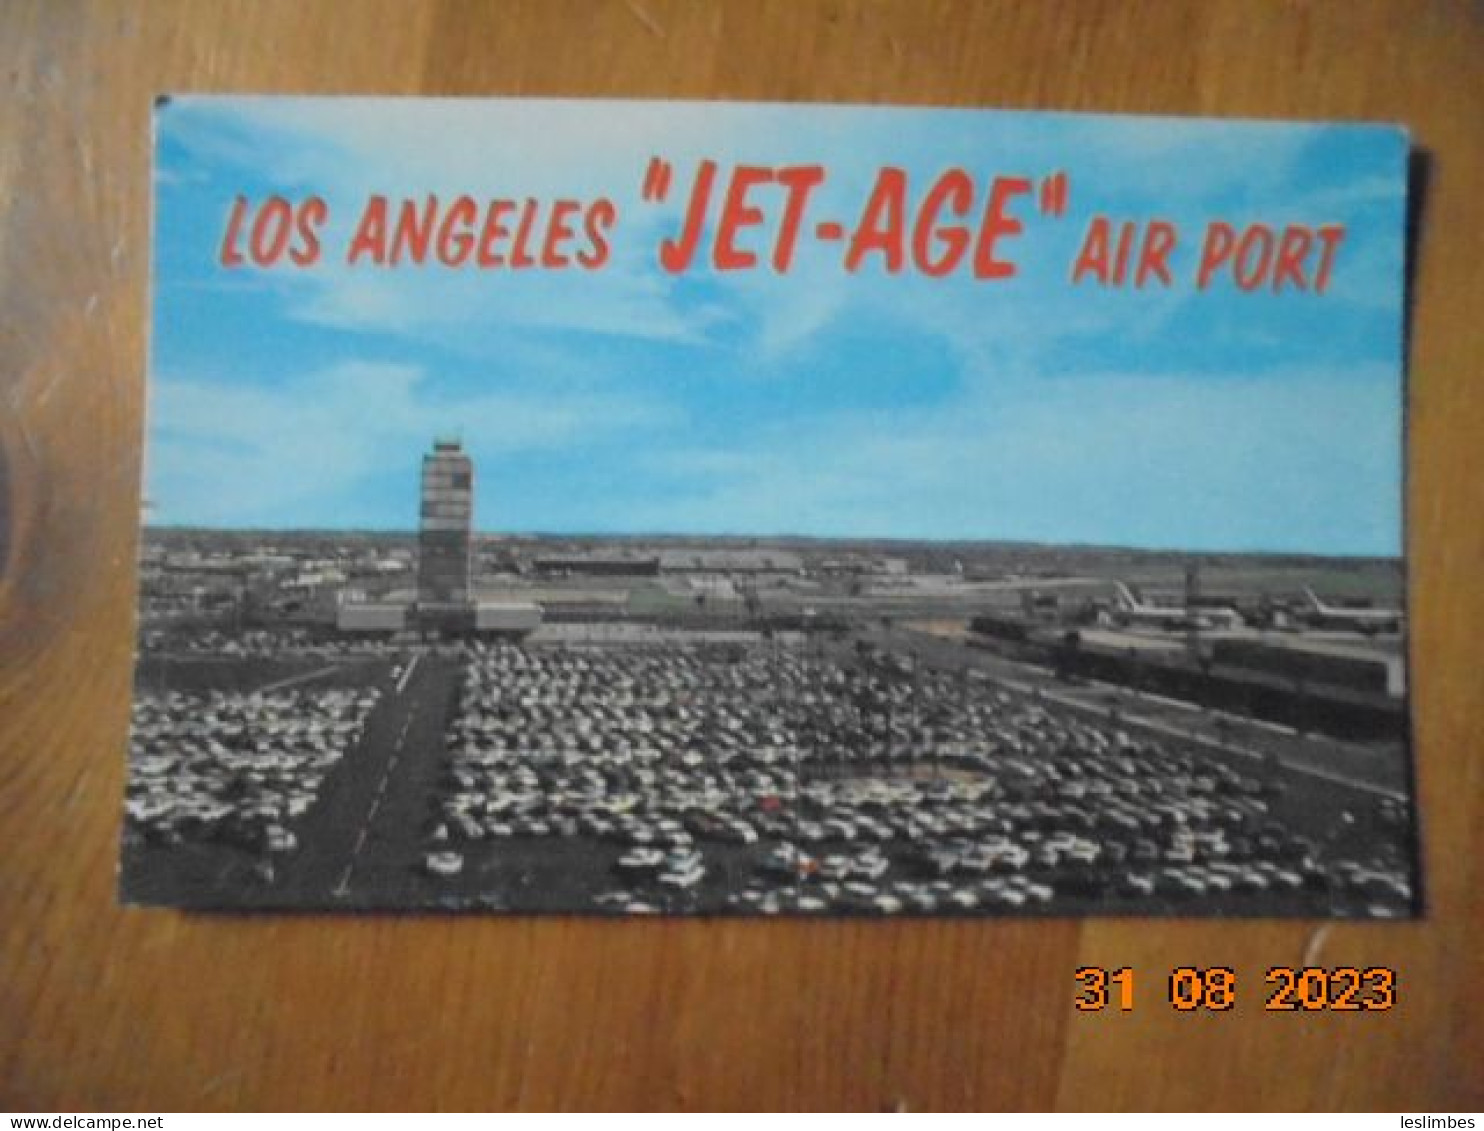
(1131, 610)
(1360, 620)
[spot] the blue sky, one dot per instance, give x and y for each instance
(868, 405)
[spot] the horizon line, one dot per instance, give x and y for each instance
(1398, 558)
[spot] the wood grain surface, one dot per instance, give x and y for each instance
(102, 1008)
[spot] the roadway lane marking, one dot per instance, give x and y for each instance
(292, 680)
(342, 889)
(407, 672)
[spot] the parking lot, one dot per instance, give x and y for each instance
(771, 780)
(225, 782)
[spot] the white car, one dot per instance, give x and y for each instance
(443, 863)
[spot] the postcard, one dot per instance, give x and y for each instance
(701, 508)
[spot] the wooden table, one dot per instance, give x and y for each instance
(103, 1008)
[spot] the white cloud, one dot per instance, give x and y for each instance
(1297, 461)
(234, 453)
(545, 148)
(976, 465)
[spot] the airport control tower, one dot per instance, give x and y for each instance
(447, 514)
(447, 602)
